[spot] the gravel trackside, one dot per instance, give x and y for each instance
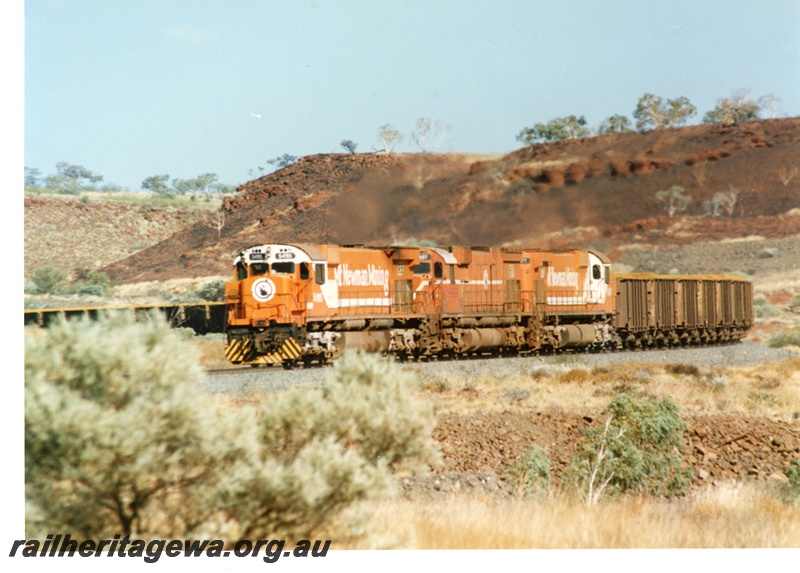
(271, 378)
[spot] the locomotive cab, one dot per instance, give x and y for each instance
(268, 299)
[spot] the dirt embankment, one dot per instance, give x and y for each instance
(480, 450)
(87, 233)
(599, 192)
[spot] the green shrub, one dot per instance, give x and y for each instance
(212, 292)
(113, 429)
(516, 394)
(789, 492)
(762, 309)
(785, 338)
(118, 440)
(98, 278)
(532, 473)
(310, 454)
(184, 332)
(793, 473)
(636, 450)
(49, 279)
(92, 290)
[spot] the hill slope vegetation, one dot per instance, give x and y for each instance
(603, 192)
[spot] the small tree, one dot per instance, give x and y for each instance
(736, 109)
(675, 199)
(568, 127)
(49, 279)
(615, 124)
(205, 184)
(389, 137)
(224, 188)
(653, 112)
(98, 278)
(722, 202)
(216, 221)
(32, 175)
(282, 161)
(91, 282)
(636, 450)
(112, 430)
(183, 186)
(71, 179)
(349, 146)
(420, 136)
(159, 185)
(441, 131)
(770, 104)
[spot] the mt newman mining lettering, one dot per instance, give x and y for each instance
(371, 276)
(567, 278)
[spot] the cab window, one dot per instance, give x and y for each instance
(304, 272)
(283, 268)
(257, 269)
(319, 274)
(241, 271)
(421, 269)
(438, 270)
(597, 274)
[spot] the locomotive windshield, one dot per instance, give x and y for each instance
(283, 268)
(257, 269)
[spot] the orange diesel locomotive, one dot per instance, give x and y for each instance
(300, 303)
(292, 303)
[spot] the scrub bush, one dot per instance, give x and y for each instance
(49, 279)
(636, 450)
(532, 473)
(119, 439)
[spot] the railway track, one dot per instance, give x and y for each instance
(245, 382)
(739, 353)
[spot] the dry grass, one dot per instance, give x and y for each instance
(156, 291)
(212, 353)
(729, 516)
(788, 280)
(726, 515)
(771, 390)
(765, 390)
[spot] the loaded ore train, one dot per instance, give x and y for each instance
(301, 304)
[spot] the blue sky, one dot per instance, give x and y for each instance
(131, 89)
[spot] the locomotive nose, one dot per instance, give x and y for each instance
(263, 289)
(268, 299)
